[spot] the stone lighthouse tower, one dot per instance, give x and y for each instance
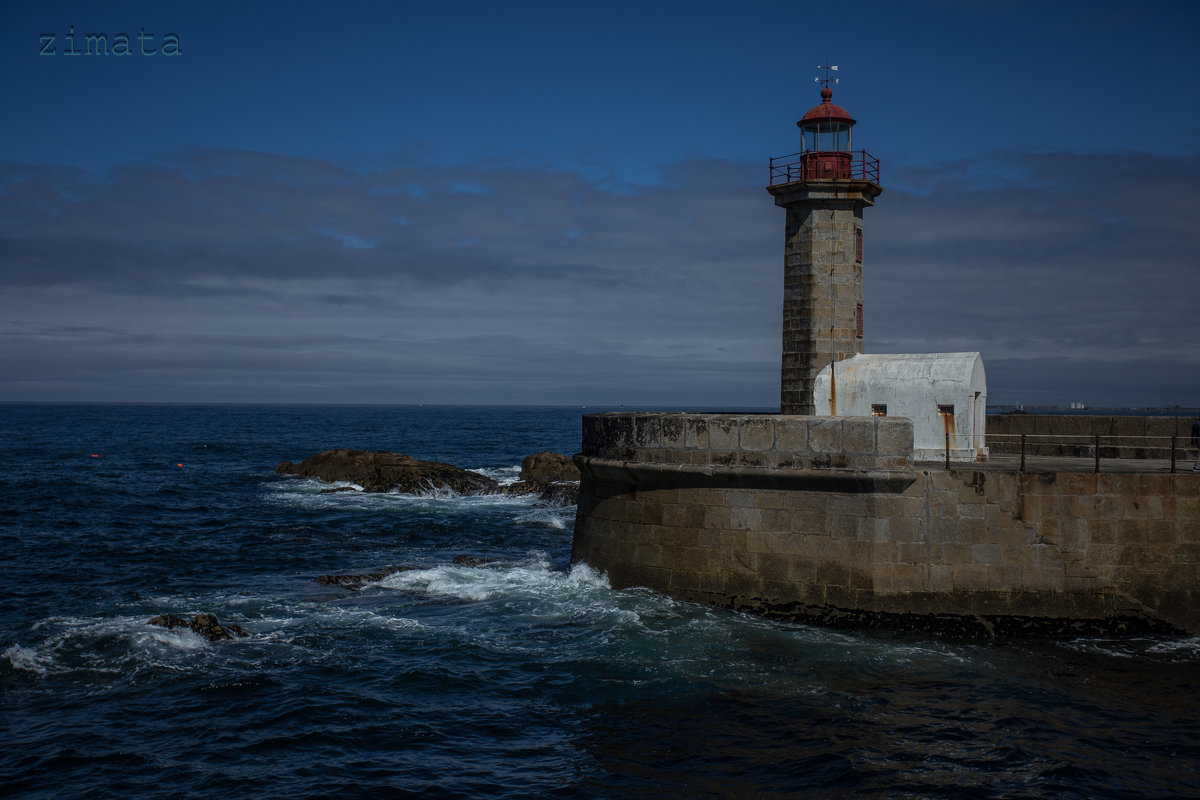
(824, 189)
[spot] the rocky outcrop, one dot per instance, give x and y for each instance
(360, 579)
(204, 624)
(386, 472)
(550, 476)
(547, 467)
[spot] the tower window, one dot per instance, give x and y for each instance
(858, 320)
(878, 409)
(946, 409)
(858, 245)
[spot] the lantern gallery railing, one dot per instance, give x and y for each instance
(825, 165)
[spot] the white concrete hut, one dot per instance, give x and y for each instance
(942, 393)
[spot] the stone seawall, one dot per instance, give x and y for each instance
(825, 520)
(1072, 435)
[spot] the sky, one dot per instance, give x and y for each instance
(564, 203)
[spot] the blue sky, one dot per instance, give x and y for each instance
(563, 202)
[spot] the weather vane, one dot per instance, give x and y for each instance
(828, 69)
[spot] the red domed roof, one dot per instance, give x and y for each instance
(826, 111)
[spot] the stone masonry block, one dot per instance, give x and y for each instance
(911, 577)
(954, 553)
(858, 434)
(912, 553)
(905, 529)
(594, 430)
(810, 522)
(777, 519)
(970, 530)
(745, 518)
(740, 498)
(722, 433)
(941, 578)
(894, 436)
(621, 430)
(987, 554)
(756, 433)
(970, 577)
(825, 435)
(848, 505)
(695, 432)
(791, 434)
(874, 529)
(673, 427)
(716, 518)
(648, 431)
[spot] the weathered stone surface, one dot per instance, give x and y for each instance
(386, 471)
(204, 624)
(547, 467)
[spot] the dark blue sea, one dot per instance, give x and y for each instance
(523, 678)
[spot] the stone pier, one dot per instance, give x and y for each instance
(828, 520)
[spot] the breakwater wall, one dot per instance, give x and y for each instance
(1073, 435)
(826, 520)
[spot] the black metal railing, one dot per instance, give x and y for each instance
(1094, 447)
(855, 165)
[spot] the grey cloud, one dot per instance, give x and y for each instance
(222, 275)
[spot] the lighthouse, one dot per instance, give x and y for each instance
(824, 189)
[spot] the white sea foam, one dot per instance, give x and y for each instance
(502, 475)
(553, 517)
(530, 578)
(108, 645)
(1180, 650)
(306, 493)
(1187, 649)
(24, 658)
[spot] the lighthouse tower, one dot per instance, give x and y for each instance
(824, 189)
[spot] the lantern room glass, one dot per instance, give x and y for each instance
(826, 136)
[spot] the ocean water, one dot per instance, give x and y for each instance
(525, 677)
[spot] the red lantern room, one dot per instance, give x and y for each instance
(826, 136)
(826, 148)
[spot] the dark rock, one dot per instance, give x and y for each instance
(561, 494)
(169, 621)
(385, 472)
(472, 561)
(557, 494)
(339, 489)
(547, 467)
(360, 579)
(204, 624)
(207, 626)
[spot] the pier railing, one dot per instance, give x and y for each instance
(1095, 447)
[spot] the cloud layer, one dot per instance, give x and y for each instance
(213, 275)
